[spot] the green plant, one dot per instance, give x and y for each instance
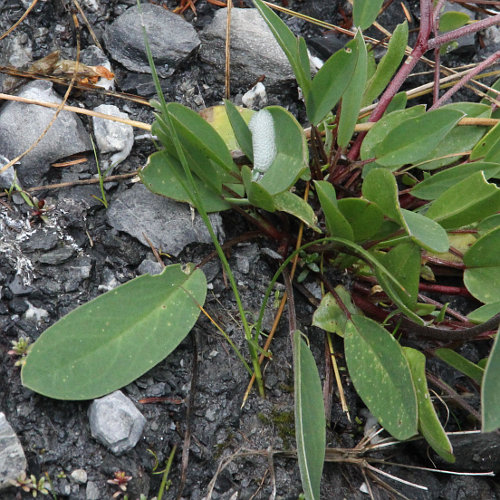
(30, 484)
(399, 196)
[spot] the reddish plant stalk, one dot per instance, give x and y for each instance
(422, 45)
(463, 81)
(449, 290)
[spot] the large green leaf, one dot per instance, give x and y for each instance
(482, 273)
(310, 422)
(434, 186)
(381, 376)
(195, 132)
(412, 140)
(468, 201)
(230, 122)
(364, 12)
(292, 154)
(380, 187)
(114, 339)
(460, 140)
(364, 217)
(490, 391)
(404, 262)
(351, 100)
(289, 44)
(489, 146)
(424, 231)
(484, 313)
(296, 206)
(388, 64)
(428, 421)
(385, 126)
(164, 175)
(256, 194)
(330, 82)
(336, 223)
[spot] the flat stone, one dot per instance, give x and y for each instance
(169, 225)
(22, 124)
(79, 476)
(40, 239)
(57, 256)
(171, 38)
(116, 422)
(12, 459)
(254, 50)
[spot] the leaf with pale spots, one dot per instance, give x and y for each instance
(117, 337)
(381, 375)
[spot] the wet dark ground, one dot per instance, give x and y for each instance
(203, 382)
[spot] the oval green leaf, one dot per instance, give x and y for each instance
(117, 337)
(490, 390)
(351, 100)
(164, 175)
(364, 217)
(292, 154)
(364, 12)
(330, 82)
(435, 185)
(468, 201)
(482, 276)
(310, 422)
(336, 223)
(381, 376)
(388, 64)
(384, 127)
(428, 422)
(412, 139)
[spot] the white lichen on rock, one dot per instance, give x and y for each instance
(263, 142)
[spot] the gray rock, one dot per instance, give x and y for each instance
(92, 491)
(113, 137)
(254, 51)
(18, 287)
(149, 267)
(116, 422)
(12, 459)
(40, 239)
(171, 38)
(167, 224)
(474, 452)
(7, 176)
(57, 256)
(22, 124)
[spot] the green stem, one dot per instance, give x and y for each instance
(198, 204)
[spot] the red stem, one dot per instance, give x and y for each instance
(471, 74)
(449, 290)
(421, 47)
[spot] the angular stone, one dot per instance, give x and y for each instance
(171, 38)
(113, 137)
(22, 124)
(12, 459)
(169, 225)
(116, 422)
(254, 50)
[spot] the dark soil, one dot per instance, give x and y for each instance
(203, 382)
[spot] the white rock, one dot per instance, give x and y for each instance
(116, 422)
(113, 137)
